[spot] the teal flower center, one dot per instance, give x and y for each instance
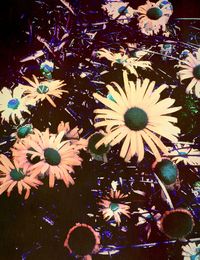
(167, 171)
(136, 118)
(196, 72)
(52, 156)
(154, 13)
(13, 103)
(114, 206)
(42, 89)
(17, 174)
(122, 10)
(93, 140)
(34, 160)
(24, 131)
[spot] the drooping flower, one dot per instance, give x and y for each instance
(100, 153)
(190, 69)
(82, 241)
(176, 223)
(121, 11)
(57, 157)
(112, 207)
(13, 104)
(38, 91)
(153, 17)
(47, 68)
(23, 131)
(122, 58)
(12, 175)
(73, 135)
(191, 251)
(135, 116)
(183, 152)
(166, 170)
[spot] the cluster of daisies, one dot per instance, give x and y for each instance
(18, 100)
(152, 17)
(37, 154)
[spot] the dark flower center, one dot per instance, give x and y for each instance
(136, 118)
(35, 160)
(23, 131)
(196, 72)
(82, 241)
(114, 206)
(42, 89)
(167, 171)
(122, 10)
(94, 139)
(52, 156)
(154, 13)
(177, 224)
(17, 174)
(13, 103)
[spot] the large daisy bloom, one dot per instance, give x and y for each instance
(111, 208)
(12, 175)
(191, 251)
(57, 157)
(136, 116)
(121, 58)
(183, 152)
(190, 69)
(82, 241)
(119, 9)
(73, 135)
(12, 104)
(154, 16)
(38, 91)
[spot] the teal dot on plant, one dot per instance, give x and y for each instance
(110, 97)
(166, 171)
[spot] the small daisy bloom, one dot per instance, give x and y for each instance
(112, 209)
(190, 69)
(182, 152)
(57, 157)
(38, 91)
(191, 251)
(122, 58)
(12, 175)
(73, 135)
(22, 131)
(135, 116)
(120, 10)
(12, 104)
(82, 241)
(154, 16)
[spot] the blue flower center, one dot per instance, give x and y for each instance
(17, 174)
(52, 156)
(114, 206)
(136, 118)
(122, 10)
(42, 89)
(13, 103)
(154, 13)
(24, 131)
(196, 72)
(167, 171)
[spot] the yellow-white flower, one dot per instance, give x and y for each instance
(111, 208)
(38, 91)
(182, 152)
(154, 16)
(191, 251)
(135, 115)
(119, 9)
(12, 104)
(122, 58)
(190, 69)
